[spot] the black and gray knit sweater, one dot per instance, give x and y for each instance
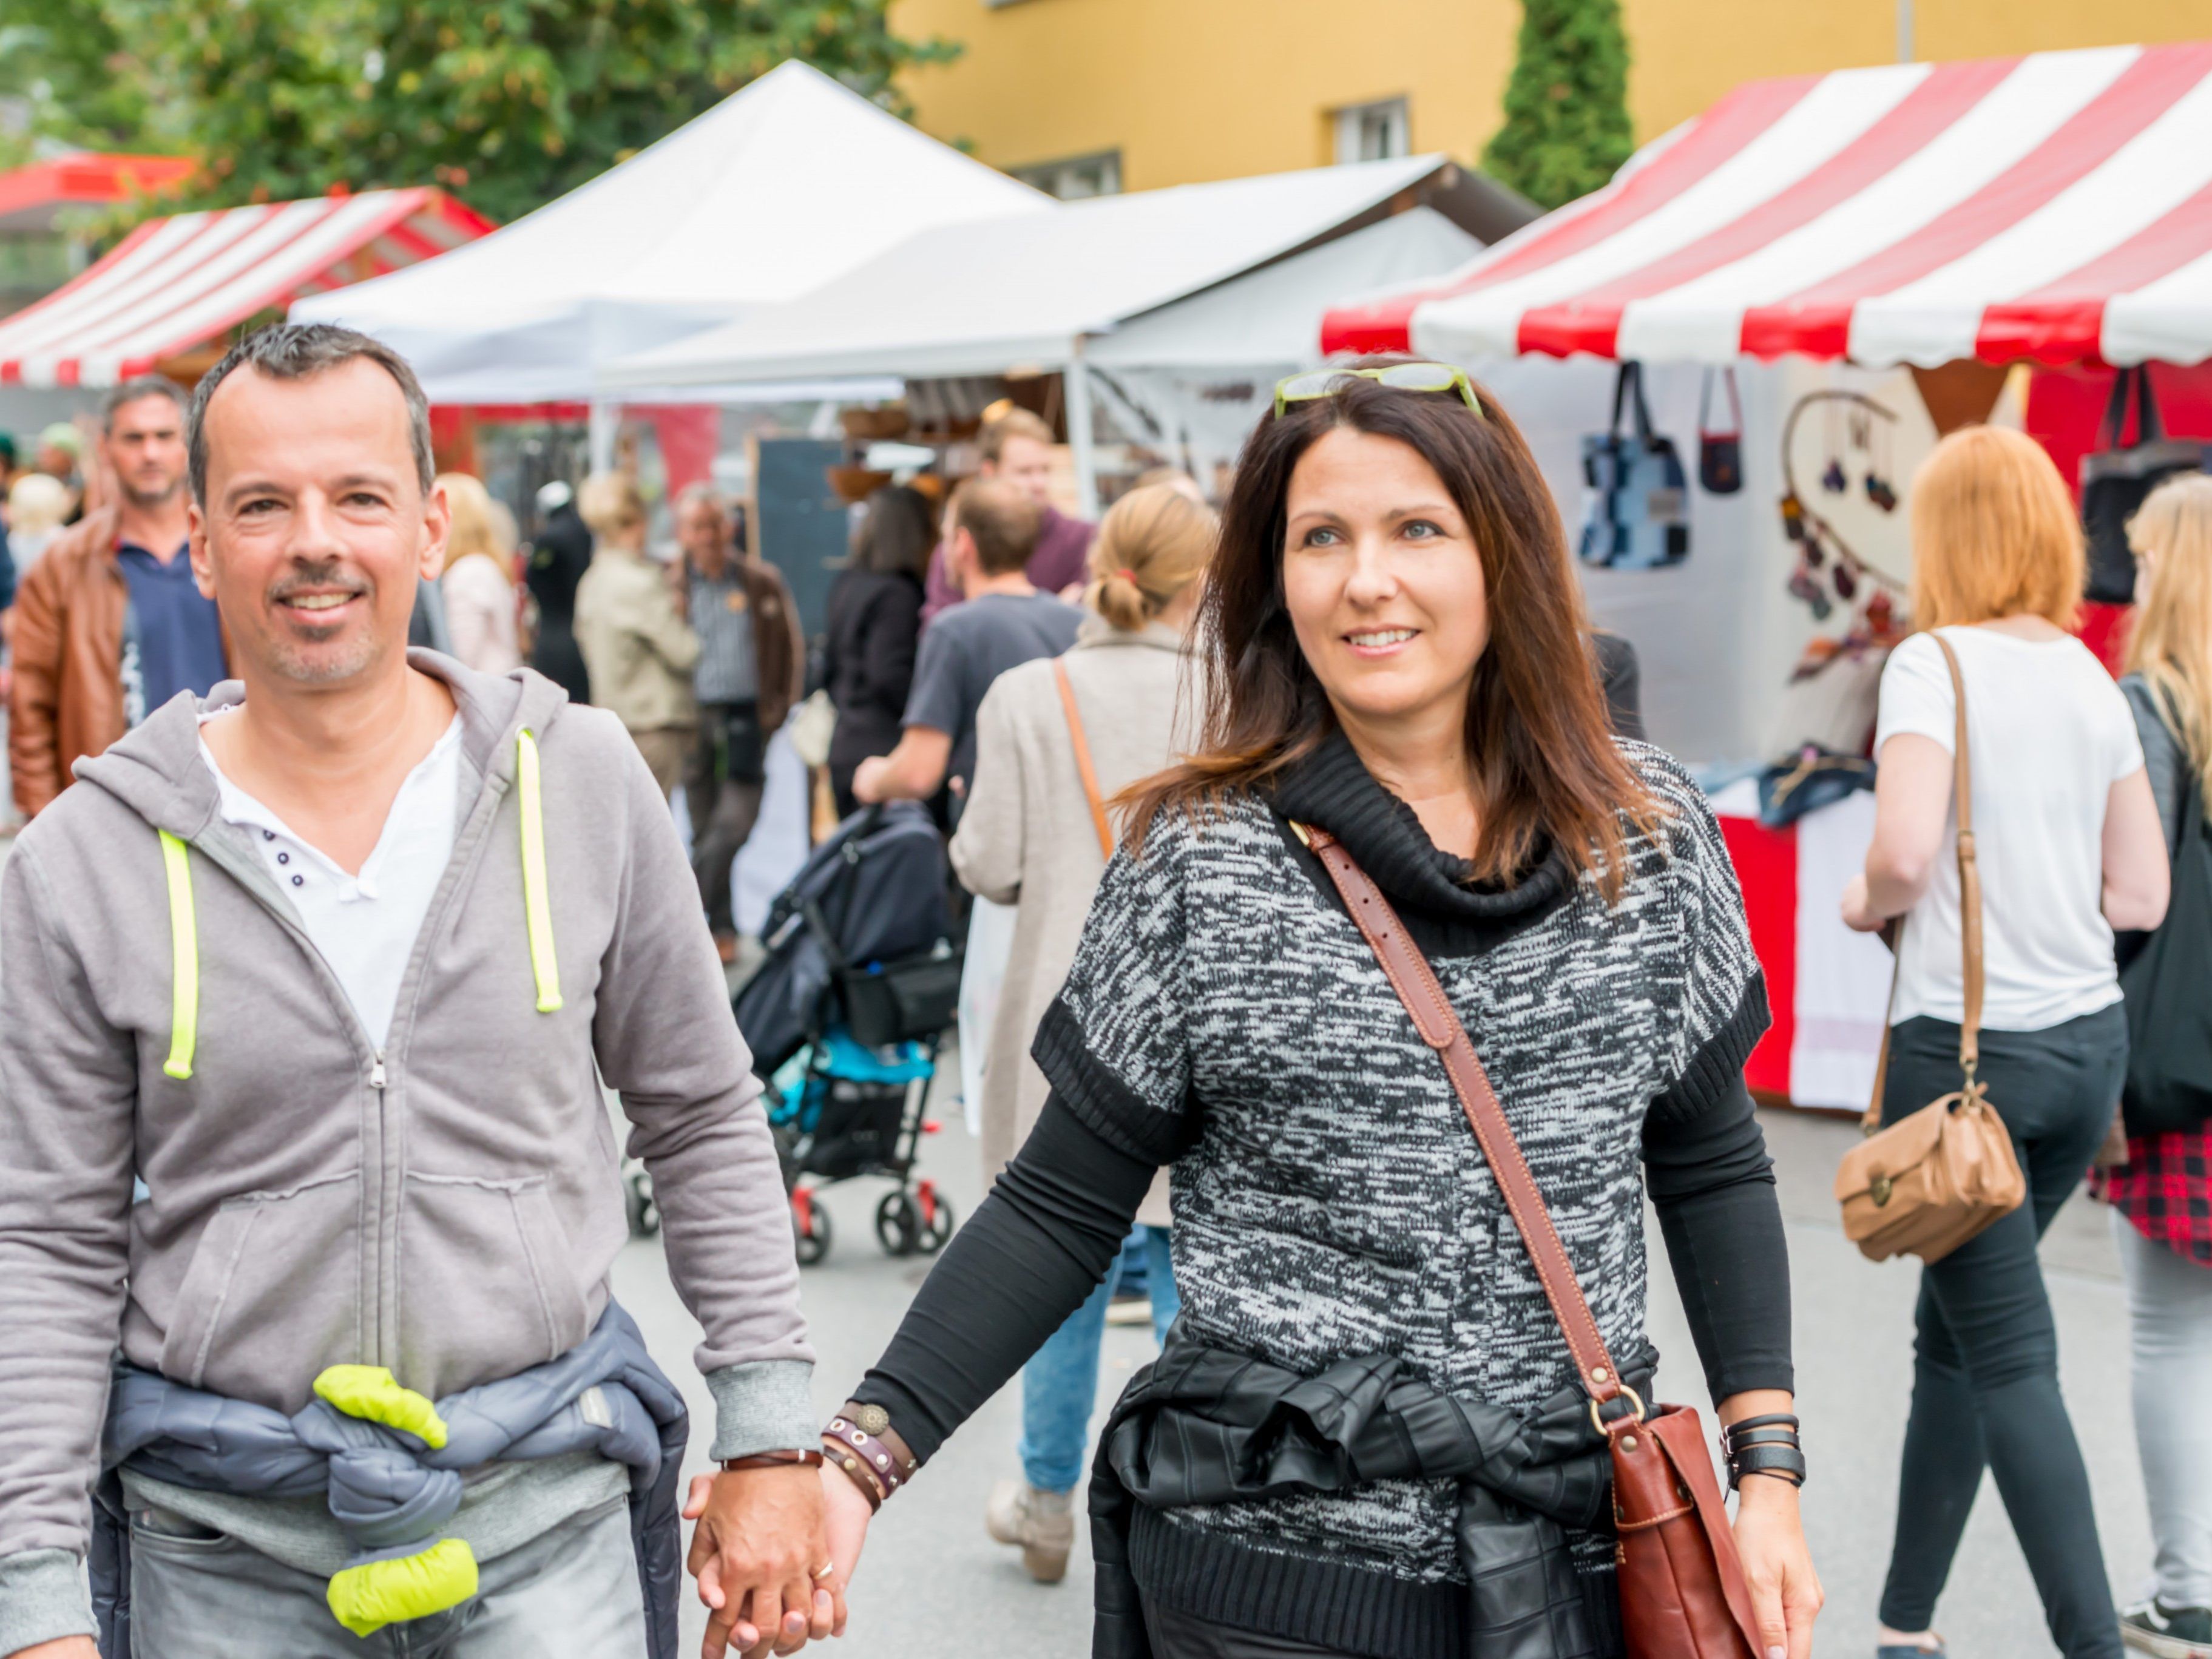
(1224, 1014)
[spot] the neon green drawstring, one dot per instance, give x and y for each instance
(542, 963)
(184, 929)
(184, 959)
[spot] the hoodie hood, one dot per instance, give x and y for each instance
(155, 769)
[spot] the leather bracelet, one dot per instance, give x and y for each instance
(1784, 1462)
(775, 1460)
(838, 1456)
(853, 1435)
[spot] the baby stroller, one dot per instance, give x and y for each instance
(845, 1016)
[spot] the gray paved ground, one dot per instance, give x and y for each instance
(932, 1586)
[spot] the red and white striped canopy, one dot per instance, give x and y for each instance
(175, 283)
(2055, 206)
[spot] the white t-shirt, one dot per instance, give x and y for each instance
(2048, 735)
(365, 926)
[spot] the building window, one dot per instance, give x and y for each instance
(1077, 179)
(1373, 133)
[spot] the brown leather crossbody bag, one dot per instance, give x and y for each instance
(1682, 1589)
(1930, 1181)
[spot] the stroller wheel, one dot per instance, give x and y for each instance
(637, 1200)
(898, 1224)
(810, 1226)
(938, 1220)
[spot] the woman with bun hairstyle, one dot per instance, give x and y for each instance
(1393, 666)
(1029, 838)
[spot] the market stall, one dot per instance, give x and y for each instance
(1032, 294)
(1916, 229)
(781, 187)
(174, 285)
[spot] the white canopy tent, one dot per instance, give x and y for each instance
(1195, 375)
(1032, 291)
(782, 187)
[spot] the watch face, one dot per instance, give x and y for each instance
(872, 1420)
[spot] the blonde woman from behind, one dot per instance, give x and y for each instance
(2066, 839)
(630, 627)
(477, 586)
(1029, 838)
(2162, 1196)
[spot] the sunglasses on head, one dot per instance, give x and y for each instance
(1398, 377)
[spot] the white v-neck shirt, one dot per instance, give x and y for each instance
(364, 925)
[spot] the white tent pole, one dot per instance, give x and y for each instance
(606, 423)
(1080, 437)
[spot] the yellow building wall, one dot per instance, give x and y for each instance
(1195, 89)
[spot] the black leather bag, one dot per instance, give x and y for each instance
(1720, 454)
(2116, 477)
(2169, 1084)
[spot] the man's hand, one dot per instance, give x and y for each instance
(758, 1540)
(1858, 913)
(72, 1647)
(868, 779)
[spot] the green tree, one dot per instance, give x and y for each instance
(1566, 106)
(508, 103)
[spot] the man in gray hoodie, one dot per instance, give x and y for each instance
(334, 963)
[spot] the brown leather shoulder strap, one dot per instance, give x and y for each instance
(1970, 874)
(1083, 759)
(1415, 982)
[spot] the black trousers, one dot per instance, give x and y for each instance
(723, 776)
(1985, 1373)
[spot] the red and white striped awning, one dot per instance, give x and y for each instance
(175, 283)
(2055, 206)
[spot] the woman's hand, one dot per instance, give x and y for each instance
(1785, 1591)
(845, 1517)
(1858, 913)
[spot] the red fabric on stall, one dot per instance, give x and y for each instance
(688, 433)
(1766, 867)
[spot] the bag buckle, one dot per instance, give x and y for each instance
(1880, 1189)
(1606, 1427)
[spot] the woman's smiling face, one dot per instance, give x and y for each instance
(1383, 581)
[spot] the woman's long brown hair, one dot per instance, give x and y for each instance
(1544, 761)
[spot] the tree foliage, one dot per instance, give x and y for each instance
(1566, 126)
(507, 103)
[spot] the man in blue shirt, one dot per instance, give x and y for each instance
(109, 623)
(175, 627)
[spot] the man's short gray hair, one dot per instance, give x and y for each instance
(295, 351)
(131, 391)
(702, 492)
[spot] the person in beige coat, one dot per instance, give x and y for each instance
(629, 625)
(1032, 836)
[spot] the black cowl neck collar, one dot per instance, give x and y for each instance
(1447, 911)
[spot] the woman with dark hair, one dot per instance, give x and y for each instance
(875, 621)
(1396, 670)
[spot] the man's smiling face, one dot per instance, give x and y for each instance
(316, 527)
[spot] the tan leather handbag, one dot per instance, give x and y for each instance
(1929, 1182)
(1682, 1590)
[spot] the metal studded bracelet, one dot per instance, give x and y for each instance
(878, 1466)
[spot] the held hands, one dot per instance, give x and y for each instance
(62, 1647)
(1785, 1591)
(759, 1540)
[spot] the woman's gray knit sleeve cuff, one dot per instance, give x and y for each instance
(42, 1598)
(1715, 1069)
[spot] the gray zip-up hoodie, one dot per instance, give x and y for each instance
(449, 1206)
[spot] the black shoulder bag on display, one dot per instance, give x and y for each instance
(2169, 1085)
(2116, 477)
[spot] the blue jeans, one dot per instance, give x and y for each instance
(1060, 1384)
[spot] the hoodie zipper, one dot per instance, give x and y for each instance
(376, 1074)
